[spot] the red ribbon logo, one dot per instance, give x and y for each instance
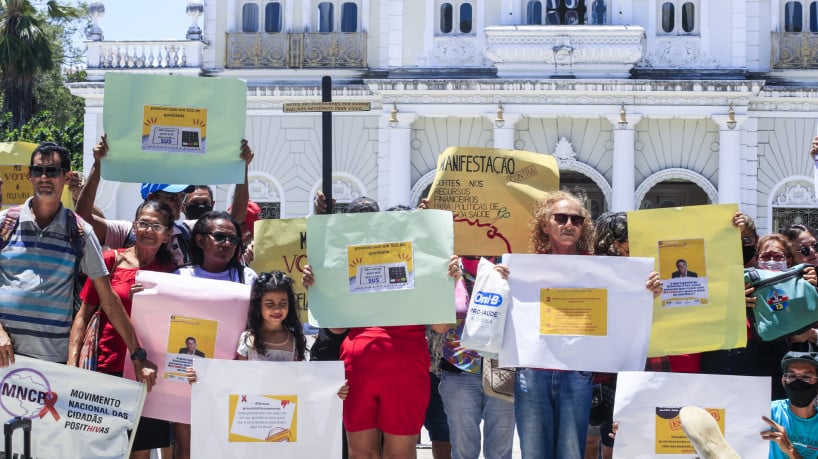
(50, 400)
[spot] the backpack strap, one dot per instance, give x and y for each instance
(76, 237)
(9, 225)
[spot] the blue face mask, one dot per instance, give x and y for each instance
(772, 265)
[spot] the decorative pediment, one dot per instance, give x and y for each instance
(263, 189)
(796, 195)
(344, 190)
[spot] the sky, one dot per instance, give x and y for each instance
(145, 20)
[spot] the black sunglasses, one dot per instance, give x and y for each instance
(49, 171)
(805, 249)
(576, 220)
(220, 237)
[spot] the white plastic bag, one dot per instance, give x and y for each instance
(488, 307)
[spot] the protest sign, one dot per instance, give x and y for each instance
(597, 321)
(15, 158)
(70, 409)
(282, 245)
(491, 193)
(698, 256)
(170, 312)
(379, 269)
(254, 409)
(173, 129)
(647, 406)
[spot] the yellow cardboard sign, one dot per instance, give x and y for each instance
(263, 418)
(491, 193)
(670, 438)
(282, 245)
(574, 311)
(174, 129)
(379, 267)
(705, 238)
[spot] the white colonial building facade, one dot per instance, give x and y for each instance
(644, 103)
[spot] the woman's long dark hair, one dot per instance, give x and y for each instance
(202, 227)
(164, 255)
(275, 281)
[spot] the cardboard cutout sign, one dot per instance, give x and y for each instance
(491, 194)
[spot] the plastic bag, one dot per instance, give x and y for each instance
(488, 308)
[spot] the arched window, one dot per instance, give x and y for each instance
(568, 12)
(795, 19)
(678, 17)
(455, 17)
(533, 12)
(349, 17)
(326, 17)
(273, 17)
(249, 18)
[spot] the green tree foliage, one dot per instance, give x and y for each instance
(48, 112)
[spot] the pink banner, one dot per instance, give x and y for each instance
(179, 320)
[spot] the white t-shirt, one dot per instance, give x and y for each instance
(229, 275)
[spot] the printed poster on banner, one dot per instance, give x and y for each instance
(491, 193)
(253, 409)
(647, 406)
(683, 271)
(381, 269)
(173, 129)
(184, 321)
(71, 409)
(282, 245)
(702, 305)
(599, 321)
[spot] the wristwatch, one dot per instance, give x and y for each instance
(139, 354)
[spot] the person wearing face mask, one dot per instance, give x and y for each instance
(793, 422)
(804, 250)
(198, 202)
(759, 358)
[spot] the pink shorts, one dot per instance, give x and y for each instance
(388, 384)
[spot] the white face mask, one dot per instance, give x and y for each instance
(772, 265)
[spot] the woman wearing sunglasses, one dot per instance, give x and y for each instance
(152, 230)
(804, 245)
(215, 253)
(805, 250)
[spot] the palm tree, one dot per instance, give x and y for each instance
(25, 52)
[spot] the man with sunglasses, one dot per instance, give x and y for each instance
(38, 270)
(794, 421)
(116, 234)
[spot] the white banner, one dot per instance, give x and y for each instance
(647, 407)
(572, 312)
(73, 412)
(181, 321)
(253, 409)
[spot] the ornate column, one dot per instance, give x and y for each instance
(503, 127)
(397, 159)
(729, 155)
(622, 181)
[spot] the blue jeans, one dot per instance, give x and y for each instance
(552, 409)
(466, 405)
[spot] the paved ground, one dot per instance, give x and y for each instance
(425, 450)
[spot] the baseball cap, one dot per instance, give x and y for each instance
(362, 204)
(810, 358)
(148, 188)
